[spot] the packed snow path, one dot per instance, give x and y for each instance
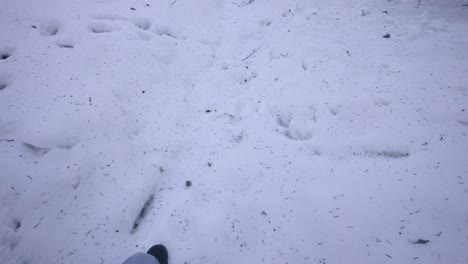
(234, 131)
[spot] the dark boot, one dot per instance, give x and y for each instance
(160, 253)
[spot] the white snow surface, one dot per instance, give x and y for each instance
(306, 135)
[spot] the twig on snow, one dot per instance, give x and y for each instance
(252, 53)
(174, 2)
(421, 241)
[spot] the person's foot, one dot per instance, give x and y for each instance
(160, 253)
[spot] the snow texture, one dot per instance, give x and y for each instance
(298, 131)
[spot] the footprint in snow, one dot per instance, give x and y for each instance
(3, 85)
(66, 44)
(99, 27)
(41, 150)
(142, 23)
(6, 53)
(463, 122)
(49, 28)
(265, 22)
(296, 123)
(382, 102)
(167, 31)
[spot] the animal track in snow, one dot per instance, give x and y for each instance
(66, 144)
(463, 122)
(49, 28)
(3, 85)
(5, 53)
(142, 23)
(35, 149)
(15, 224)
(334, 111)
(265, 22)
(297, 123)
(67, 44)
(4, 56)
(283, 120)
(382, 102)
(223, 66)
(275, 55)
(98, 27)
(166, 31)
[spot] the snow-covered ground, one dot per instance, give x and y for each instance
(234, 131)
